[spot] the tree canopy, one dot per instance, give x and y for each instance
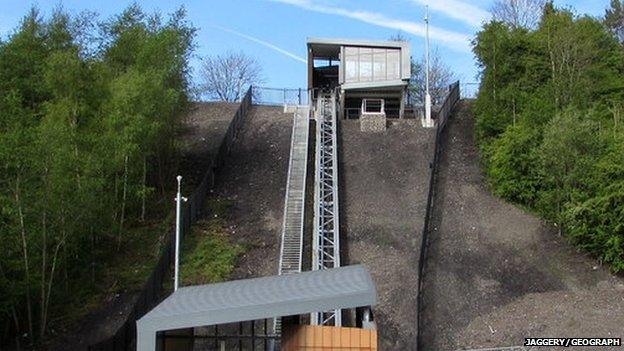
(548, 124)
(87, 118)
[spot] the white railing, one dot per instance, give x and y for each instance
(373, 106)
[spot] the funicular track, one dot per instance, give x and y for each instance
(325, 235)
(326, 238)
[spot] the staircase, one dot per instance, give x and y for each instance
(292, 228)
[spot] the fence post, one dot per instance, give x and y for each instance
(299, 96)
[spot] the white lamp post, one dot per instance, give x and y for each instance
(428, 122)
(179, 198)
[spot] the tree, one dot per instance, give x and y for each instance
(85, 123)
(440, 77)
(547, 121)
(518, 13)
(226, 77)
(614, 19)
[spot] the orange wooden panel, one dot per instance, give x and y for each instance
(345, 337)
(321, 338)
(309, 336)
(365, 339)
(318, 338)
(336, 337)
(355, 337)
(327, 340)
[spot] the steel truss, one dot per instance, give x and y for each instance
(326, 238)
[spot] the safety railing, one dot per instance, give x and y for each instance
(279, 96)
(447, 106)
(443, 115)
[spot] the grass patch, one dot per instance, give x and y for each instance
(208, 254)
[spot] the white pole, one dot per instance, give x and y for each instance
(240, 82)
(179, 200)
(428, 122)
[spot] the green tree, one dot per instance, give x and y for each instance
(85, 121)
(614, 19)
(548, 115)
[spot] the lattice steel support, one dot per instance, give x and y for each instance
(326, 237)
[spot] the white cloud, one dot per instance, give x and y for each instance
(263, 43)
(455, 40)
(459, 10)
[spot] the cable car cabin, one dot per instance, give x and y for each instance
(370, 77)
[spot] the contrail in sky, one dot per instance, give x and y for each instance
(263, 43)
(458, 41)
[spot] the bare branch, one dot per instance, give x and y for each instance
(440, 77)
(518, 13)
(226, 77)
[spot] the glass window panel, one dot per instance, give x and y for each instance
(366, 67)
(394, 61)
(351, 51)
(379, 64)
(351, 69)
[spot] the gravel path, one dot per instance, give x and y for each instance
(384, 180)
(496, 274)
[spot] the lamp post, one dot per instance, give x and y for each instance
(428, 122)
(179, 198)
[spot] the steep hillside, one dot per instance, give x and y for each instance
(496, 274)
(384, 184)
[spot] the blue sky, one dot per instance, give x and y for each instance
(274, 32)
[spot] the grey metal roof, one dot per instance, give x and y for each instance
(357, 42)
(330, 48)
(258, 298)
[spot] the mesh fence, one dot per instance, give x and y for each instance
(279, 96)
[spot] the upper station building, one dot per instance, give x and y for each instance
(370, 76)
